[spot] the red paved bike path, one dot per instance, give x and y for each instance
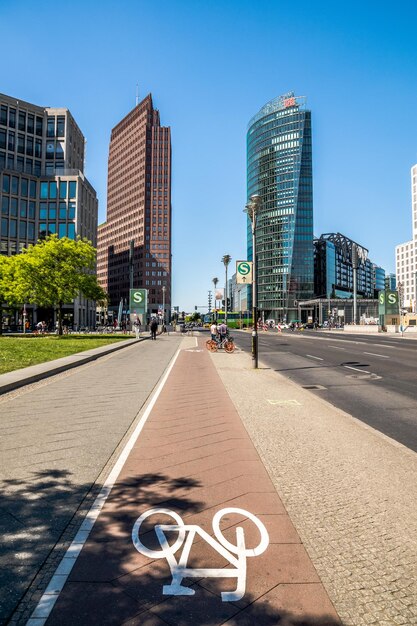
(193, 457)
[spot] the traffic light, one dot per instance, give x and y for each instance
(195, 307)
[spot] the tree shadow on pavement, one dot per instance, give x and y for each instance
(40, 516)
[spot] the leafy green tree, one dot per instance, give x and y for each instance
(55, 271)
(6, 284)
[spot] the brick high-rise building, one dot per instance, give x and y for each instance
(138, 210)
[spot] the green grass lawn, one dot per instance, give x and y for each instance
(18, 352)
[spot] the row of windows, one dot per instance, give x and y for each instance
(64, 230)
(66, 189)
(26, 187)
(28, 166)
(25, 122)
(9, 206)
(9, 228)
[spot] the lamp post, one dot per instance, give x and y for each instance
(163, 306)
(226, 260)
(252, 208)
(215, 281)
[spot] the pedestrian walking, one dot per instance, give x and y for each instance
(136, 326)
(154, 328)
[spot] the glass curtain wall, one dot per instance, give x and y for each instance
(279, 169)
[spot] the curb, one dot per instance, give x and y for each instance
(34, 373)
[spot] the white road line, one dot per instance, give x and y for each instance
(59, 578)
(386, 345)
(336, 347)
(383, 356)
(314, 357)
(356, 369)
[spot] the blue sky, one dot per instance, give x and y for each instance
(210, 67)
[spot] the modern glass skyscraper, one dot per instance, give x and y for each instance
(279, 169)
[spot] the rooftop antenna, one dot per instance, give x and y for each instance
(137, 94)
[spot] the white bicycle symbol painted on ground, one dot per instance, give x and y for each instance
(235, 554)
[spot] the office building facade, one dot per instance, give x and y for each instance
(43, 189)
(333, 269)
(134, 244)
(279, 170)
(406, 257)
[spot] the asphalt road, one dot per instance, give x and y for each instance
(374, 378)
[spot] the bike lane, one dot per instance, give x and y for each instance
(234, 557)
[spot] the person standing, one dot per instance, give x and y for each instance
(154, 328)
(136, 325)
(222, 331)
(213, 331)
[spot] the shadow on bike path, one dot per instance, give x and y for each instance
(193, 532)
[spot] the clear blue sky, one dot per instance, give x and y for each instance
(210, 66)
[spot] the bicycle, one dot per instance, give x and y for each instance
(227, 344)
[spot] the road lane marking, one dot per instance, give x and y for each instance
(336, 347)
(356, 369)
(59, 578)
(383, 356)
(314, 357)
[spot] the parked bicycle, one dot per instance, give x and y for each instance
(227, 344)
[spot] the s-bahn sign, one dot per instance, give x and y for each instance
(138, 301)
(388, 302)
(244, 272)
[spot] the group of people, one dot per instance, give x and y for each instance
(218, 332)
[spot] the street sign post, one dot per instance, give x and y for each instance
(138, 301)
(244, 272)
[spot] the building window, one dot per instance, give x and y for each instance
(11, 143)
(20, 163)
(3, 115)
(6, 183)
(52, 190)
(22, 230)
(5, 205)
(23, 208)
(4, 227)
(29, 146)
(12, 118)
(13, 228)
(31, 124)
(10, 161)
(15, 185)
(44, 190)
(72, 189)
(24, 187)
(32, 189)
(63, 189)
(13, 207)
(2, 160)
(62, 231)
(50, 127)
(52, 210)
(43, 210)
(39, 126)
(31, 230)
(3, 139)
(21, 144)
(38, 148)
(60, 130)
(71, 230)
(22, 121)
(32, 208)
(62, 210)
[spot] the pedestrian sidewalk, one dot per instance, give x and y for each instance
(233, 556)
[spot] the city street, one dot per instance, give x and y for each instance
(371, 377)
(238, 462)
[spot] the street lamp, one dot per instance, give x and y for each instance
(226, 260)
(215, 281)
(252, 209)
(163, 306)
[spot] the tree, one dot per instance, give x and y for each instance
(6, 283)
(55, 271)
